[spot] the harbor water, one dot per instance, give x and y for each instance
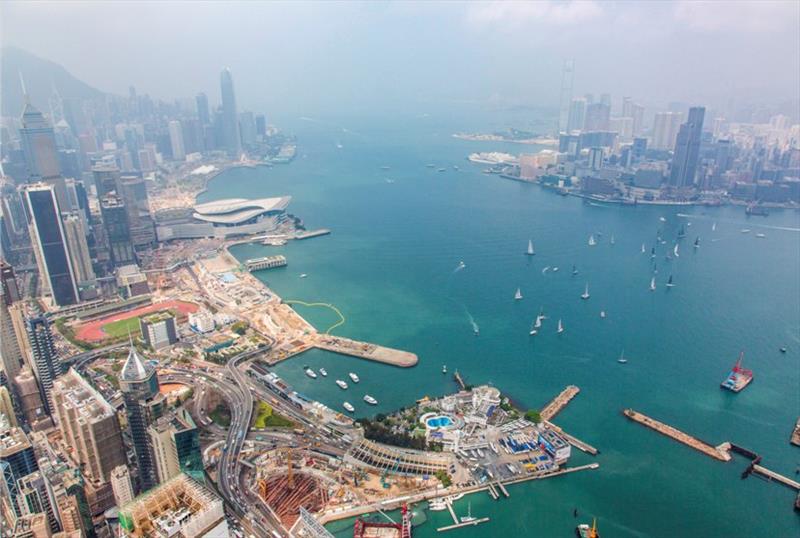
(392, 266)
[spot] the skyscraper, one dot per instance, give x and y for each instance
(117, 227)
(665, 129)
(89, 425)
(75, 234)
(597, 117)
(230, 118)
(261, 125)
(175, 443)
(687, 149)
(577, 114)
(202, 109)
(176, 140)
(17, 460)
(50, 245)
(38, 144)
(144, 404)
(45, 359)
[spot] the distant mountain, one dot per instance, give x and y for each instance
(40, 77)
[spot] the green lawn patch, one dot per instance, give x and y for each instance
(123, 327)
(266, 418)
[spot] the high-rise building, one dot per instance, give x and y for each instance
(596, 158)
(639, 147)
(106, 178)
(121, 485)
(133, 192)
(247, 128)
(144, 404)
(665, 129)
(230, 118)
(89, 426)
(687, 149)
(577, 114)
(175, 441)
(11, 357)
(32, 526)
(35, 496)
(176, 140)
(78, 249)
(30, 398)
(118, 231)
(7, 406)
(201, 100)
(50, 246)
(159, 330)
(623, 126)
(8, 280)
(17, 460)
(45, 359)
(261, 125)
(41, 155)
(597, 117)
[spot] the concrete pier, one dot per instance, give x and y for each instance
(503, 489)
(681, 437)
(362, 350)
(772, 475)
(574, 441)
(559, 402)
(456, 524)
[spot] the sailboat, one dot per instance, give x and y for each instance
(675, 250)
(697, 242)
(574, 270)
(669, 282)
(560, 327)
(518, 295)
(530, 251)
(714, 227)
(622, 359)
(444, 368)
(538, 322)
(653, 284)
(585, 294)
(612, 239)
(643, 249)
(468, 517)
(603, 314)
(592, 242)
(655, 268)
(681, 233)
(534, 330)
(652, 253)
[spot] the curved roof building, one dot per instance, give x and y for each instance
(225, 218)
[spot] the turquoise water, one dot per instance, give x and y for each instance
(391, 267)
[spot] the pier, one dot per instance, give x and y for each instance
(718, 453)
(459, 380)
(267, 262)
(312, 233)
(795, 439)
(456, 524)
(362, 350)
(503, 489)
(574, 441)
(559, 402)
(773, 476)
(492, 492)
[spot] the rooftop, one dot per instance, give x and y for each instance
(135, 369)
(238, 210)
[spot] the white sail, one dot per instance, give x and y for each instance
(643, 249)
(538, 322)
(518, 295)
(585, 292)
(675, 250)
(714, 227)
(560, 327)
(592, 242)
(530, 248)
(653, 284)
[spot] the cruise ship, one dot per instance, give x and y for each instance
(739, 377)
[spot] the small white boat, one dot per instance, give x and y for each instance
(560, 327)
(643, 249)
(622, 359)
(662, 219)
(760, 235)
(311, 373)
(592, 242)
(574, 269)
(444, 368)
(538, 322)
(544, 271)
(349, 407)
(354, 377)
(745, 230)
(714, 227)
(530, 251)
(323, 372)
(555, 269)
(612, 239)
(494, 448)
(370, 400)
(342, 384)
(585, 294)
(468, 518)
(675, 251)
(437, 505)
(518, 295)
(303, 275)
(653, 284)
(603, 314)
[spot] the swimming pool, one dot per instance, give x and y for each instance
(439, 422)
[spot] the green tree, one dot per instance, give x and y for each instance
(532, 415)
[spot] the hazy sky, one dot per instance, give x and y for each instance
(313, 56)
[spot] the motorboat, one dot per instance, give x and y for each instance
(311, 373)
(370, 400)
(353, 377)
(342, 384)
(323, 372)
(349, 407)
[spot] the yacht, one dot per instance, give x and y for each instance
(643, 250)
(303, 275)
(442, 170)
(670, 284)
(518, 295)
(592, 242)
(311, 373)
(560, 327)
(530, 251)
(585, 294)
(622, 359)
(603, 314)
(662, 219)
(653, 284)
(323, 372)
(354, 377)
(697, 242)
(555, 269)
(342, 384)
(538, 322)
(760, 235)
(745, 230)
(574, 269)
(534, 330)
(437, 505)
(468, 518)
(370, 400)
(444, 368)
(349, 407)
